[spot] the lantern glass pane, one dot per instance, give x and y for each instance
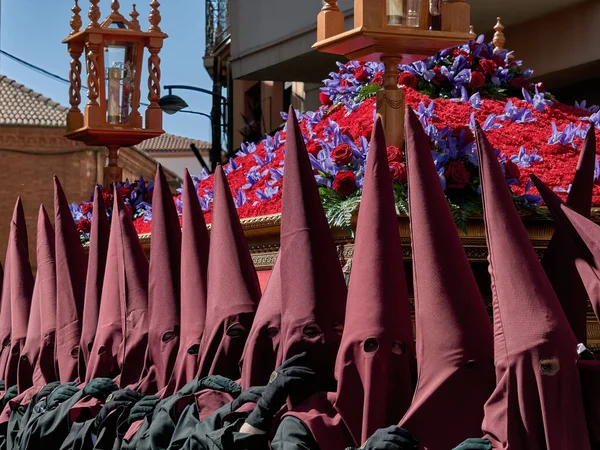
(119, 62)
(403, 13)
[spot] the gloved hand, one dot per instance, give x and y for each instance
(46, 390)
(284, 380)
(2, 385)
(10, 393)
(251, 395)
(100, 388)
(475, 444)
(143, 408)
(391, 438)
(61, 394)
(125, 398)
(214, 382)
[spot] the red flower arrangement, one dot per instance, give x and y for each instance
(342, 155)
(344, 183)
(457, 175)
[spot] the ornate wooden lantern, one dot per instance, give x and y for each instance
(114, 51)
(393, 31)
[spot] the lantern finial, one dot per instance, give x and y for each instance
(75, 18)
(499, 39)
(135, 23)
(472, 31)
(154, 16)
(115, 6)
(94, 14)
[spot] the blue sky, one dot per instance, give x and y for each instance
(33, 30)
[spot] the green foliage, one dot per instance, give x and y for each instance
(339, 211)
(367, 91)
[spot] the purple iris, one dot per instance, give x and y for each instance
(525, 160)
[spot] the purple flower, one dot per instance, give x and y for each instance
(530, 199)
(566, 136)
(538, 101)
(424, 113)
(583, 105)
(240, 198)
(525, 160)
(268, 193)
(521, 115)
(253, 176)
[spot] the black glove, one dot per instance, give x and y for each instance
(46, 390)
(284, 380)
(143, 408)
(475, 444)
(125, 398)
(391, 438)
(251, 395)
(100, 388)
(2, 385)
(61, 394)
(214, 382)
(10, 393)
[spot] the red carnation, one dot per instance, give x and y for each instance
(341, 155)
(361, 75)
(408, 80)
(84, 226)
(87, 208)
(394, 154)
(499, 61)
(511, 170)
(457, 175)
(107, 197)
(477, 80)
(314, 148)
(344, 183)
(325, 99)
(488, 67)
(125, 191)
(398, 171)
(378, 79)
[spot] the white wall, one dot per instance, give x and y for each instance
(178, 163)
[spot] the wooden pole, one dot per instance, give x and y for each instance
(390, 103)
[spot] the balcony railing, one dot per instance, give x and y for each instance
(217, 24)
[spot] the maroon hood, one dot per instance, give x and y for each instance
(21, 288)
(537, 403)
(164, 282)
(71, 268)
(312, 282)
(259, 359)
(39, 345)
(194, 263)
(562, 273)
(233, 288)
(95, 274)
(122, 333)
(455, 350)
(5, 316)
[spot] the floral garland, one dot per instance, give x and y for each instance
(449, 92)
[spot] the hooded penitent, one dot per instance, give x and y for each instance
(37, 358)
(233, 288)
(537, 403)
(21, 288)
(122, 333)
(260, 354)
(560, 270)
(5, 318)
(71, 268)
(377, 350)
(164, 285)
(194, 263)
(95, 274)
(312, 282)
(455, 347)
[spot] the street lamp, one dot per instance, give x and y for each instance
(114, 51)
(393, 31)
(171, 104)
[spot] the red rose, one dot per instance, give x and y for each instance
(519, 82)
(378, 79)
(408, 80)
(540, 87)
(361, 75)
(125, 191)
(439, 76)
(499, 61)
(344, 82)
(394, 154)
(87, 208)
(344, 183)
(477, 80)
(107, 197)
(457, 175)
(398, 171)
(325, 99)
(84, 226)
(314, 148)
(341, 155)
(488, 66)
(511, 170)
(346, 131)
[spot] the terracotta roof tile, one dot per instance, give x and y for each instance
(169, 143)
(20, 105)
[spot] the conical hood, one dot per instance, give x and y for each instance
(194, 264)
(39, 346)
(581, 239)
(164, 283)
(535, 349)
(562, 274)
(95, 274)
(21, 288)
(312, 281)
(259, 359)
(373, 366)
(455, 349)
(233, 288)
(122, 332)
(71, 268)
(5, 316)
